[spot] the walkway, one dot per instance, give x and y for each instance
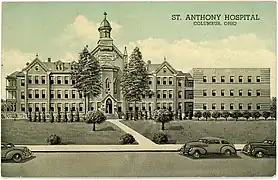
(142, 140)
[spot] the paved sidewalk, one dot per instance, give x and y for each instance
(142, 140)
(109, 148)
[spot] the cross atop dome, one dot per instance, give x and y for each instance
(105, 14)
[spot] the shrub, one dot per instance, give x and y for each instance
(215, 114)
(186, 113)
(225, 114)
(51, 117)
(53, 139)
(266, 114)
(34, 117)
(236, 115)
(29, 116)
(190, 115)
(206, 114)
(256, 114)
(71, 116)
(246, 114)
(76, 117)
(39, 116)
(58, 117)
(43, 116)
(95, 117)
(127, 139)
(198, 114)
(160, 138)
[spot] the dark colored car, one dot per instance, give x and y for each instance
(16, 153)
(208, 145)
(260, 149)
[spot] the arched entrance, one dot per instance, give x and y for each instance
(109, 106)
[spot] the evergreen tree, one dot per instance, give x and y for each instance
(86, 74)
(273, 108)
(135, 82)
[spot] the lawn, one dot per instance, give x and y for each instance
(35, 133)
(179, 132)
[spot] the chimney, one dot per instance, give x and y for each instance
(49, 59)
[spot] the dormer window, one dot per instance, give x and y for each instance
(37, 68)
(164, 70)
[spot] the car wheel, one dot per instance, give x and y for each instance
(259, 154)
(228, 152)
(17, 158)
(196, 154)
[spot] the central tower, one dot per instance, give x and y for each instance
(105, 41)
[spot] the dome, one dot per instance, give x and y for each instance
(105, 24)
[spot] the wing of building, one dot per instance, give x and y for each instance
(46, 85)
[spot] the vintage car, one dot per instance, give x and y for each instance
(208, 145)
(260, 149)
(16, 153)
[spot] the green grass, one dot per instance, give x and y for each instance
(179, 132)
(35, 133)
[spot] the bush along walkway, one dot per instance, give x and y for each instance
(142, 140)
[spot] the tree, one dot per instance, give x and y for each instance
(206, 114)
(198, 114)
(273, 107)
(266, 114)
(163, 116)
(95, 117)
(215, 115)
(135, 80)
(86, 74)
(51, 116)
(225, 114)
(236, 115)
(43, 116)
(190, 115)
(6, 106)
(247, 115)
(39, 116)
(71, 116)
(76, 117)
(256, 114)
(58, 117)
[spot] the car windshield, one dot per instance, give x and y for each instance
(268, 141)
(10, 145)
(203, 140)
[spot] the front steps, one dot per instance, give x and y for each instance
(111, 116)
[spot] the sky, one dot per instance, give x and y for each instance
(60, 30)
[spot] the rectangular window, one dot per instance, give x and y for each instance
(80, 106)
(158, 80)
(179, 94)
(222, 106)
(213, 93)
(170, 107)
(222, 79)
(150, 82)
(22, 107)
(59, 80)
(22, 95)
(164, 94)
(36, 79)
(205, 79)
(51, 80)
(240, 92)
(37, 94)
(30, 107)
(170, 80)
(213, 79)
(249, 79)
(52, 94)
(66, 94)
(43, 79)
(150, 96)
(231, 106)
(59, 94)
(164, 106)
(258, 106)
(22, 82)
(179, 83)
(240, 79)
(258, 93)
(170, 94)
(37, 107)
(143, 106)
(249, 106)
(66, 80)
(240, 106)
(66, 107)
(258, 79)
(30, 93)
(232, 79)
(204, 92)
(72, 81)
(164, 80)
(73, 107)
(52, 107)
(231, 92)
(249, 92)
(158, 94)
(158, 105)
(73, 94)
(190, 83)
(59, 107)
(213, 106)
(30, 79)
(204, 106)
(143, 96)
(43, 94)
(43, 107)
(180, 105)
(222, 92)
(80, 95)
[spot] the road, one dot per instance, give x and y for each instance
(137, 164)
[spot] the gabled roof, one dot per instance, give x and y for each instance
(36, 60)
(187, 75)
(153, 67)
(108, 96)
(16, 74)
(114, 48)
(165, 63)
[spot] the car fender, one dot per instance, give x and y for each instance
(229, 147)
(11, 153)
(257, 149)
(200, 149)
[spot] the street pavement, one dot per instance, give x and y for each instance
(120, 164)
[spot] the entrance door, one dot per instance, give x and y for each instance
(109, 106)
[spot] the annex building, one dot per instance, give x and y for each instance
(45, 85)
